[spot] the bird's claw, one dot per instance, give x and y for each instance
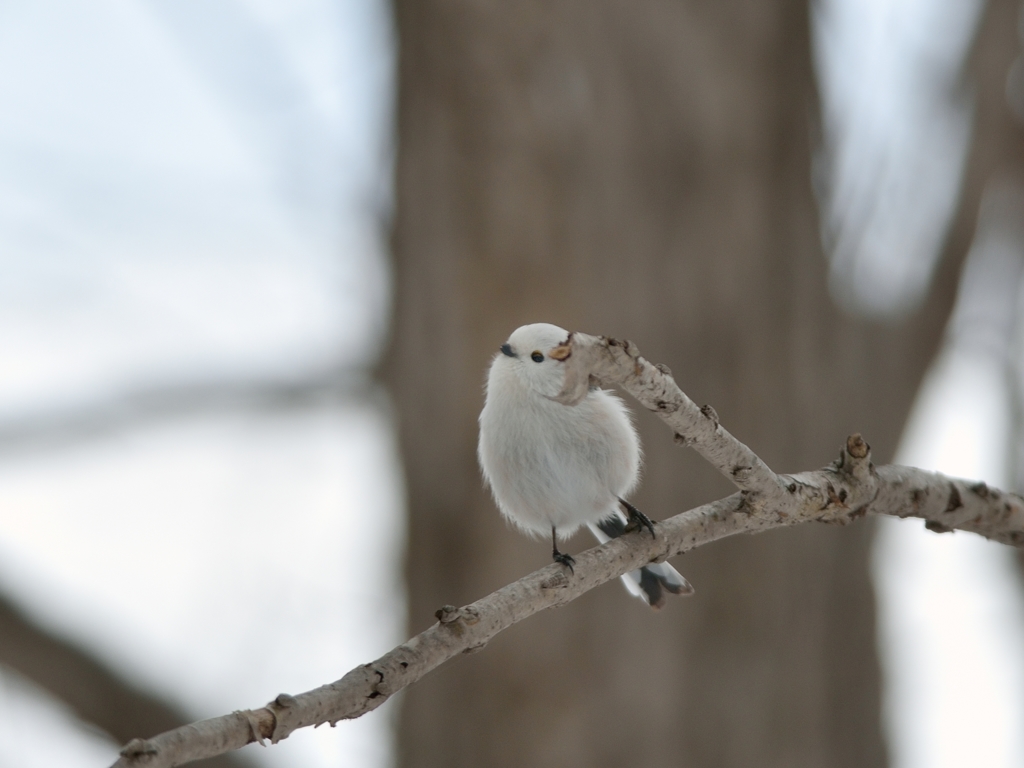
(567, 560)
(637, 519)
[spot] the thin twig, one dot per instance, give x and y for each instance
(609, 361)
(839, 494)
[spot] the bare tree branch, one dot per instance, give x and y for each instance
(609, 361)
(848, 489)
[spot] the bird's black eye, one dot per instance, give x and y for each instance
(537, 357)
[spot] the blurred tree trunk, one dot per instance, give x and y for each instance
(997, 148)
(997, 143)
(638, 169)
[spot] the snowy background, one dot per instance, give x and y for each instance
(193, 198)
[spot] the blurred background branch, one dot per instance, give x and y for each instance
(140, 408)
(92, 690)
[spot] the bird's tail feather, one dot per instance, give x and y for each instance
(653, 581)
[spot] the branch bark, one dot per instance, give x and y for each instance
(838, 494)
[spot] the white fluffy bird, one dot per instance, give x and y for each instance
(553, 468)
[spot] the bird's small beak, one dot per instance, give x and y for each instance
(561, 352)
(506, 349)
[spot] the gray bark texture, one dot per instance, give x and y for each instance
(841, 493)
(644, 168)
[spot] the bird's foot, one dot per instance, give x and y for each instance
(560, 557)
(567, 560)
(637, 519)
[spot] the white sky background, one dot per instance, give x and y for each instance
(191, 192)
(896, 123)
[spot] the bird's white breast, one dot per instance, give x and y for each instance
(550, 464)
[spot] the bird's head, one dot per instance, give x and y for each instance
(537, 353)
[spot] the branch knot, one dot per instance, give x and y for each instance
(710, 413)
(137, 748)
(449, 614)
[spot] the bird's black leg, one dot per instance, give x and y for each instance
(561, 557)
(637, 519)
